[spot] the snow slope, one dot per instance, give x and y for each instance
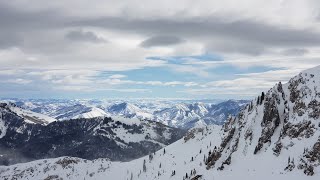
(182, 157)
(92, 113)
(29, 116)
(177, 157)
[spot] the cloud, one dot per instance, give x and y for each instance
(230, 46)
(85, 36)
(117, 76)
(129, 90)
(8, 40)
(295, 52)
(201, 71)
(75, 88)
(118, 81)
(58, 43)
(200, 92)
(190, 84)
(19, 81)
(215, 31)
(161, 41)
(10, 72)
(85, 80)
(245, 85)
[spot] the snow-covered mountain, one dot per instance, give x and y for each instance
(28, 116)
(175, 114)
(91, 112)
(115, 138)
(192, 115)
(278, 132)
(74, 111)
(182, 115)
(129, 110)
(276, 136)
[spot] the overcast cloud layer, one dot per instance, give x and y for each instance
(185, 49)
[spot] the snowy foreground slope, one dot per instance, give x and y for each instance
(277, 136)
(177, 157)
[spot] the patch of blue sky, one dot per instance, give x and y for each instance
(233, 70)
(164, 74)
(182, 59)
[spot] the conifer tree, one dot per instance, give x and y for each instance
(262, 97)
(144, 166)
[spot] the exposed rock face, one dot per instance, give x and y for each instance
(314, 107)
(228, 138)
(214, 156)
(310, 159)
(277, 148)
(65, 162)
(275, 123)
(191, 133)
(270, 121)
(291, 165)
(84, 138)
(302, 129)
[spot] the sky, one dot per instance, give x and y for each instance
(154, 49)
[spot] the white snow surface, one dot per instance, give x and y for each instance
(94, 112)
(3, 128)
(177, 157)
(31, 117)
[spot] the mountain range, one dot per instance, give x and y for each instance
(276, 136)
(25, 138)
(181, 114)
